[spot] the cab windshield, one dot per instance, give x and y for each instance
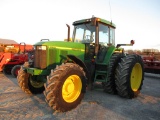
(86, 33)
(106, 35)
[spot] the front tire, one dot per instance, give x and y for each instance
(129, 76)
(22, 78)
(65, 87)
(34, 85)
(26, 82)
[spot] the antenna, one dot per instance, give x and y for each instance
(110, 11)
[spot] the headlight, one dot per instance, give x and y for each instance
(41, 47)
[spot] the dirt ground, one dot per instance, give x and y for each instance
(96, 105)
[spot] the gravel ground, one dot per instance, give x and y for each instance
(96, 105)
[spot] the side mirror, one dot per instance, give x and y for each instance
(132, 42)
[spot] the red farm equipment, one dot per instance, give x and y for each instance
(12, 56)
(151, 59)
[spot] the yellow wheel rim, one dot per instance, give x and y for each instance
(71, 88)
(136, 77)
(35, 83)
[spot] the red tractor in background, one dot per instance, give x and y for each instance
(12, 56)
(151, 60)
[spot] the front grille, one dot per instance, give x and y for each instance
(40, 59)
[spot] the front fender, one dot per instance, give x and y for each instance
(82, 64)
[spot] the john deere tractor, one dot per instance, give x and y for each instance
(64, 70)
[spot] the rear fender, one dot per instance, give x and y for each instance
(108, 55)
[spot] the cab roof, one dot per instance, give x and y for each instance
(97, 19)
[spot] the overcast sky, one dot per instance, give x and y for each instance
(32, 20)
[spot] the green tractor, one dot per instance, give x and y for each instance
(64, 70)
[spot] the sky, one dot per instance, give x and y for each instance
(32, 20)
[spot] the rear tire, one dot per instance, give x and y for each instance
(110, 86)
(129, 76)
(15, 70)
(65, 87)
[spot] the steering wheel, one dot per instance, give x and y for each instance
(88, 38)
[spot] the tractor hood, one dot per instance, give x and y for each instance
(55, 53)
(62, 45)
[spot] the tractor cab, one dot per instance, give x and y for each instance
(97, 34)
(102, 32)
(95, 31)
